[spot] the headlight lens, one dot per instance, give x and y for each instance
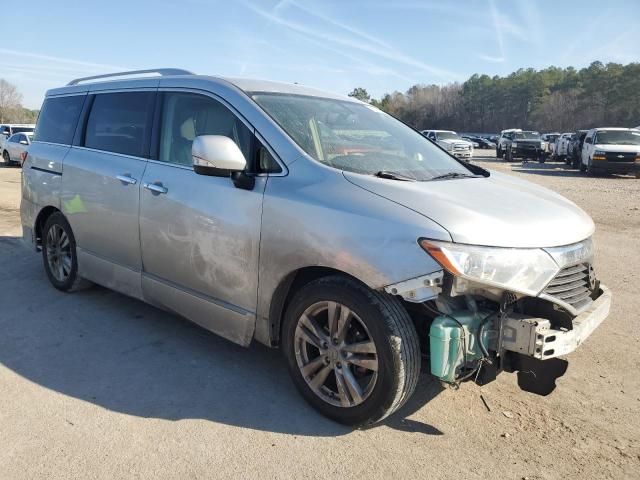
(524, 270)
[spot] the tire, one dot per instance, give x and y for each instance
(499, 152)
(65, 277)
(6, 158)
(384, 322)
(583, 167)
(509, 156)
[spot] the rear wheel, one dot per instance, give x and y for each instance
(59, 254)
(352, 352)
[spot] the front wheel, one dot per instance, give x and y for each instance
(499, 152)
(6, 159)
(352, 352)
(583, 167)
(509, 156)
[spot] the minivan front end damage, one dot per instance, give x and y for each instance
(516, 310)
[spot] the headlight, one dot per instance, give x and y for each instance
(524, 270)
(514, 145)
(449, 146)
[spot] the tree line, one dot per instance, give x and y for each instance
(552, 99)
(11, 109)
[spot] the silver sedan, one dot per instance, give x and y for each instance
(15, 148)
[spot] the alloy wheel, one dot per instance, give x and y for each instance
(58, 253)
(336, 354)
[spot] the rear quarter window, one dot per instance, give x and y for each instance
(58, 119)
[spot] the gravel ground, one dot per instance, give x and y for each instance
(97, 385)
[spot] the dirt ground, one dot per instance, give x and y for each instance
(98, 385)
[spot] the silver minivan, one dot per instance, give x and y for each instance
(311, 222)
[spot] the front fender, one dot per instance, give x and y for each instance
(314, 217)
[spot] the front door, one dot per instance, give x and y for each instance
(101, 189)
(200, 234)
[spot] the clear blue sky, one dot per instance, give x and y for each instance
(334, 45)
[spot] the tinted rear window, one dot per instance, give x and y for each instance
(58, 119)
(22, 129)
(120, 123)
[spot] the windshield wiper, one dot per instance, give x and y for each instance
(454, 175)
(393, 176)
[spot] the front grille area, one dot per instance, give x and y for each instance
(460, 146)
(572, 286)
(620, 156)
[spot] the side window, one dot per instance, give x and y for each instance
(186, 116)
(121, 123)
(58, 119)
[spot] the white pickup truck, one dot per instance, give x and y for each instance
(451, 142)
(562, 143)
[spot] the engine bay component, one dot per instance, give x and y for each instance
(454, 343)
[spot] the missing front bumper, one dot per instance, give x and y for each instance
(535, 338)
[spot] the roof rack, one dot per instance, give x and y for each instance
(163, 72)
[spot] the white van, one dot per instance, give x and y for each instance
(611, 150)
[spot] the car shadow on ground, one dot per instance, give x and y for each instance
(121, 354)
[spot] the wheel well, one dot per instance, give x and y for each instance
(287, 289)
(41, 219)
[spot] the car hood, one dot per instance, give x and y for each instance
(450, 140)
(608, 147)
(500, 210)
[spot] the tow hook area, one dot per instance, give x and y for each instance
(535, 375)
(419, 289)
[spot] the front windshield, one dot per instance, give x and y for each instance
(357, 138)
(448, 136)
(526, 136)
(618, 137)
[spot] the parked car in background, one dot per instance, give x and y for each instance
(473, 141)
(8, 129)
(574, 150)
(548, 142)
(562, 144)
(479, 142)
(15, 148)
(222, 201)
(451, 142)
(611, 150)
(526, 145)
(505, 139)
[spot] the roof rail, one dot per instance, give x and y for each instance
(161, 71)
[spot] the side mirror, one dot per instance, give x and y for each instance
(587, 140)
(24, 142)
(219, 156)
(216, 155)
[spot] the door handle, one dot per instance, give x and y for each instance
(155, 187)
(127, 179)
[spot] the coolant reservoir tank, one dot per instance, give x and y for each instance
(448, 340)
